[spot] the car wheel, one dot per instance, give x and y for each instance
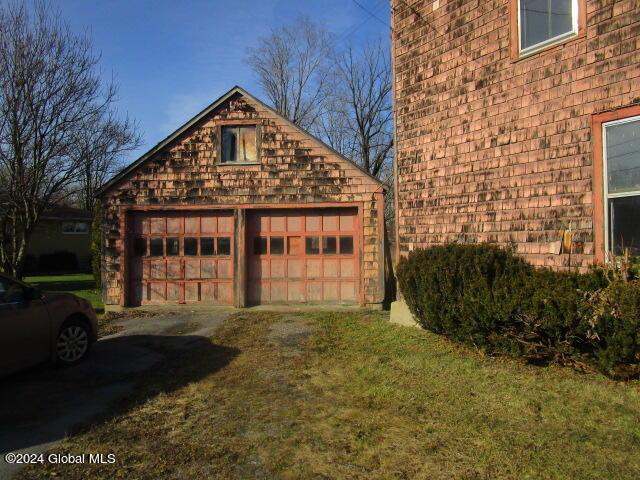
(73, 343)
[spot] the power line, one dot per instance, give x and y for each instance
(372, 15)
(351, 30)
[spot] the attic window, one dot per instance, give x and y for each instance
(239, 144)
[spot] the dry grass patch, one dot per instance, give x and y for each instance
(347, 395)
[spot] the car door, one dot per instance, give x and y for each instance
(24, 327)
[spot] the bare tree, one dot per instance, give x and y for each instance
(49, 91)
(361, 92)
(291, 66)
(100, 147)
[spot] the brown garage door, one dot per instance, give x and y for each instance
(178, 257)
(303, 256)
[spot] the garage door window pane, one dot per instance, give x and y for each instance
(206, 246)
(191, 246)
(624, 226)
(277, 245)
(329, 245)
(173, 247)
(346, 245)
(312, 245)
(140, 247)
(156, 247)
(224, 246)
(259, 246)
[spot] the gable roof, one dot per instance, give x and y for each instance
(235, 90)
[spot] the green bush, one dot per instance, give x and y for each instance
(488, 297)
(618, 325)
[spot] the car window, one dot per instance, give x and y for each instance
(11, 292)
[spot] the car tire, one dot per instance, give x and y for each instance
(73, 342)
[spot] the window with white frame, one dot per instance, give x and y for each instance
(622, 185)
(75, 227)
(544, 22)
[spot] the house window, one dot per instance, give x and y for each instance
(545, 22)
(622, 185)
(238, 144)
(75, 227)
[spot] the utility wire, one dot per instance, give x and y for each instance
(351, 30)
(372, 15)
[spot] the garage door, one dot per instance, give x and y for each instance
(303, 256)
(180, 257)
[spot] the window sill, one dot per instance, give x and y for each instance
(561, 42)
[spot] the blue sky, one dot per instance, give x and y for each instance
(172, 58)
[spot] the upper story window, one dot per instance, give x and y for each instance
(622, 184)
(239, 144)
(546, 22)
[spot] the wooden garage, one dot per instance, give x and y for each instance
(241, 207)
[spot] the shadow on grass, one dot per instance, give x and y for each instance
(46, 405)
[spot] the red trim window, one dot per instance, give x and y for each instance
(621, 167)
(617, 182)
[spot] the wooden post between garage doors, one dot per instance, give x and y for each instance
(239, 259)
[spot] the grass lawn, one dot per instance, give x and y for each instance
(80, 284)
(348, 395)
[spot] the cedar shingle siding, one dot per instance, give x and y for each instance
(496, 148)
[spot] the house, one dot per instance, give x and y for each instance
(239, 206)
(518, 122)
(61, 241)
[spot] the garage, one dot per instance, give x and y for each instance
(181, 258)
(303, 256)
(239, 206)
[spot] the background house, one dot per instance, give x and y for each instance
(240, 206)
(61, 242)
(519, 120)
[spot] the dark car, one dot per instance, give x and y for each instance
(36, 326)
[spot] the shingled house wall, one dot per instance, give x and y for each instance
(293, 169)
(498, 149)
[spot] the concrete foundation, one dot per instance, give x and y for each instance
(401, 315)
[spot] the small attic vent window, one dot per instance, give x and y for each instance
(239, 144)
